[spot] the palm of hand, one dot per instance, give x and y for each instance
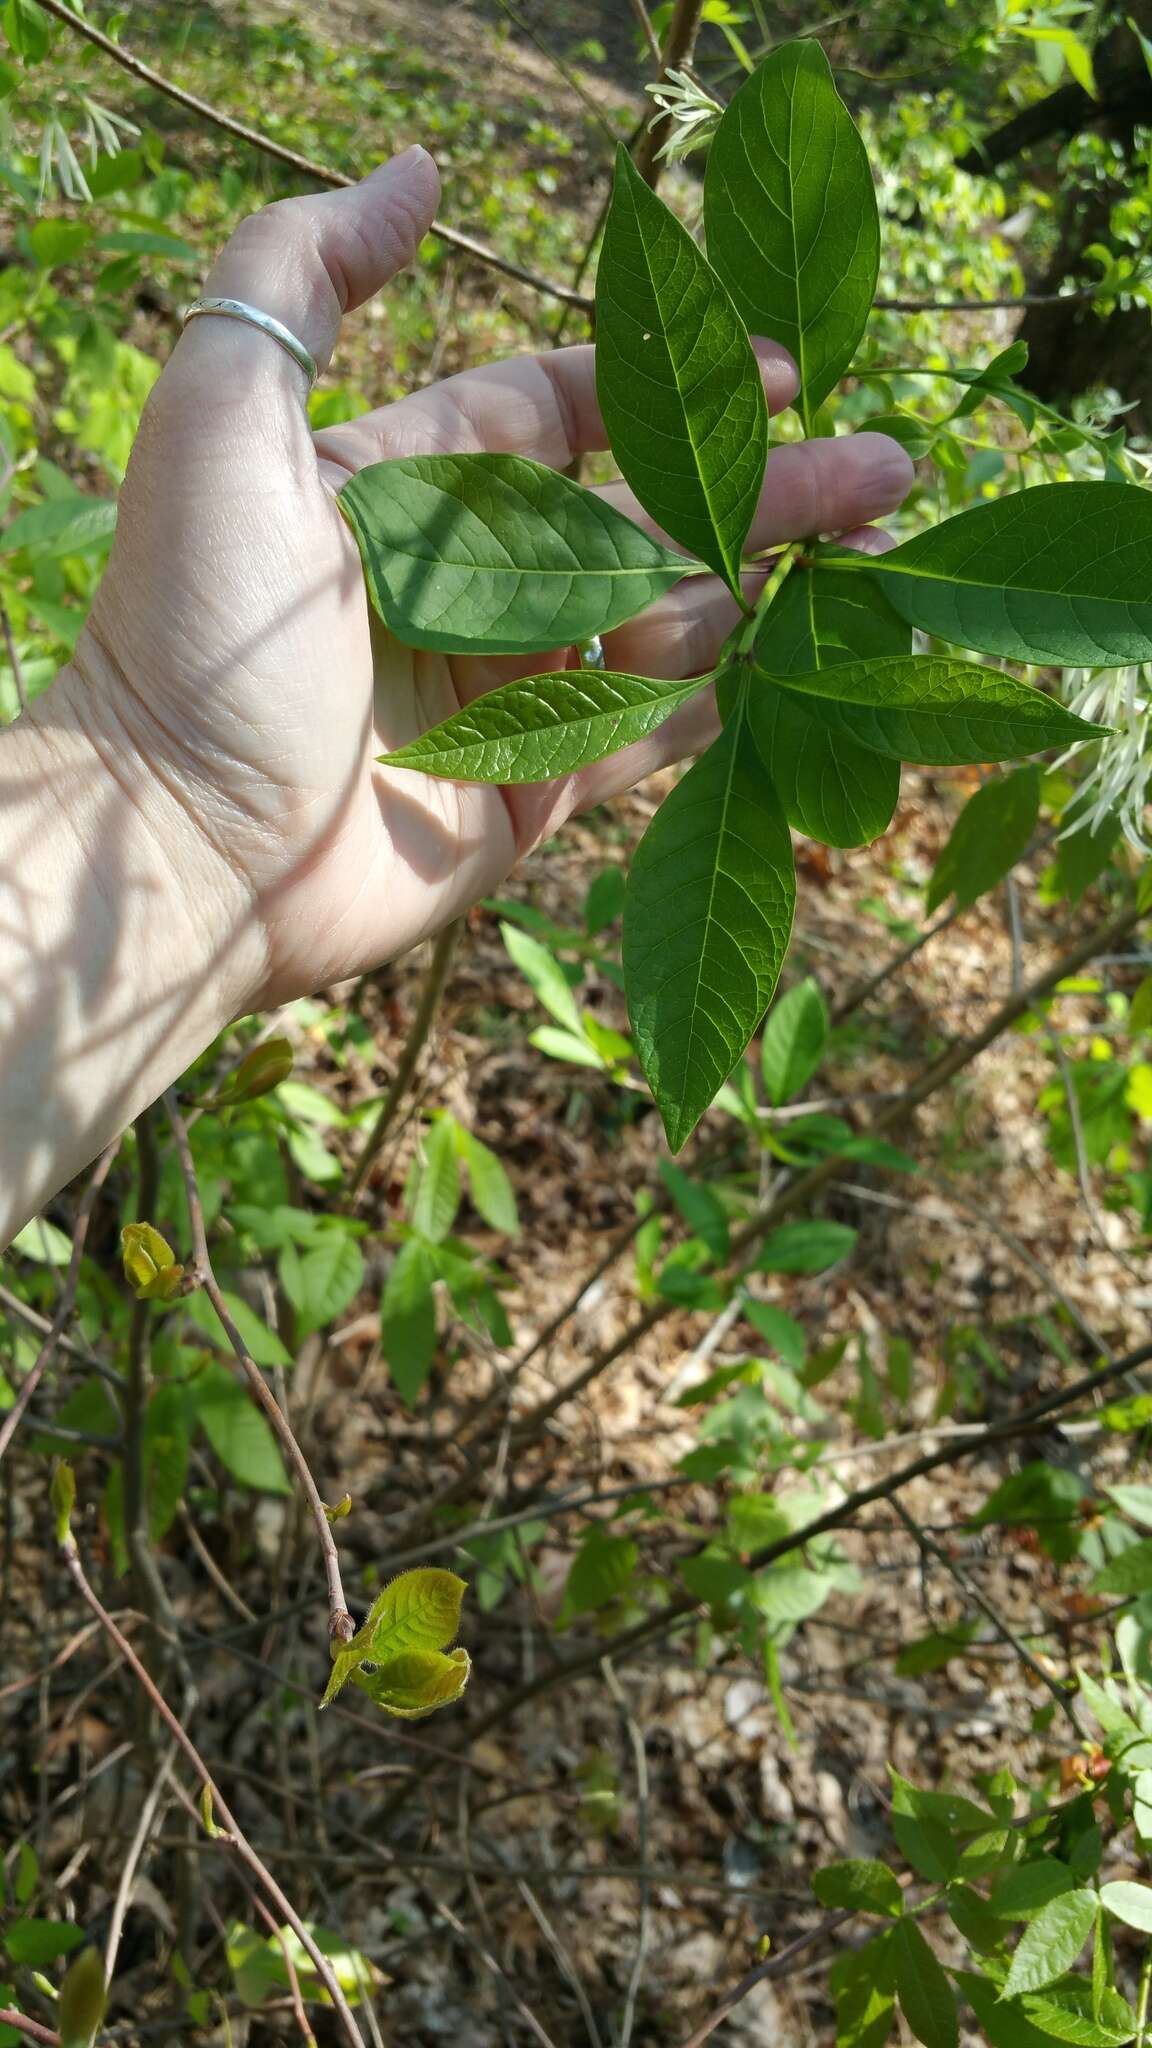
(233, 650)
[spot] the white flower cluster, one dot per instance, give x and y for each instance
(1118, 777)
(692, 112)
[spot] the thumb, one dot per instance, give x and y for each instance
(307, 261)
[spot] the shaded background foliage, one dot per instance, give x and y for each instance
(677, 1715)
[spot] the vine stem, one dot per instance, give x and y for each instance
(340, 1624)
(237, 1839)
(430, 994)
(323, 174)
(31, 2029)
(66, 1303)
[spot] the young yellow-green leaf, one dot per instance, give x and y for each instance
(790, 215)
(487, 552)
(793, 1040)
(865, 1887)
(1052, 1942)
(545, 976)
(938, 710)
(417, 1612)
(416, 1682)
(927, 1999)
(832, 787)
(987, 840)
(707, 920)
(677, 379)
(1059, 573)
(1131, 1903)
(547, 725)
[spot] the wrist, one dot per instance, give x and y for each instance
(185, 911)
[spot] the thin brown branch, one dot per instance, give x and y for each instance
(340, 1624)
(223, 1814)
(66, 1303)
(644, 24)
(776, 1966)
(32, 2029)
(976, 1598)
(679, 44)
(320, 174)
(136, 1848)
(433, 988)
(800, 1192)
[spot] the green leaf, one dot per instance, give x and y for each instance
(416, 1683)
(1021, 1893)
(790, 215)
(1060, 573)
(488, 1184)
(989, 837)
(237, 1431)
(550, 725)
(37, 1942)
(927, 2000)
(83, 1994)
(600, 1571)
(949, 1809)
(808, 1247)
(833, 789)
(1083, 851)
(43, 1242)
(1066, 2013)
(416, 1614)
(778, 1329)
(408, 1319)
(63, 526)
(320, 1282)
(1051, 1944)
(1130, 1571)
(862, 1983)
(545, 976)
(819, 619)
(932, 1652)
(678, 382)
(418, 1610)
(793, 1040)
(1131, 1903)
(484, 552)
(26, 27)
(865, 1887)
(436, 1197)
(1006, 2026)
(938, 710)
(707, 920)
(261, 1343)
(1135, 1501)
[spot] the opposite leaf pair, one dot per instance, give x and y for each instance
(818, 691)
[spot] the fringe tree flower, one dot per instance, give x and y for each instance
(1118, 779)
(693, 113)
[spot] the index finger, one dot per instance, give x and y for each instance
(543, 407)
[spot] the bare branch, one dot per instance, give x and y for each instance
(321, 174)
(679, 44)
(66, 1303)
(236, 1838)
(340, 1624)
(430, 994)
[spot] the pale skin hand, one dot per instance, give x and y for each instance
(194, 820)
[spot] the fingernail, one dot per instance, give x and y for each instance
(407, 157)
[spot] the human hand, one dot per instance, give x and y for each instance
(232, 673)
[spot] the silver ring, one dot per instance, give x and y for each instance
(592, 653)
(238, 309)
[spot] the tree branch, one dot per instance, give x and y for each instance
(321, 174)
(66, 1303)
(679, 44)
(340, 1624)
(430, 994)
